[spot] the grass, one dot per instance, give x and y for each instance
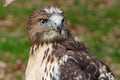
(15, 46)
(102, 25)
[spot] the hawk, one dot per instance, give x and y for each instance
(55, 53)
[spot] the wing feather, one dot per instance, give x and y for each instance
(89, 66)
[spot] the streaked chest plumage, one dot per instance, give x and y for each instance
(42, 64)
(55, 62)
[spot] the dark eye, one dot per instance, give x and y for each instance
(63, 20)
(43, 21)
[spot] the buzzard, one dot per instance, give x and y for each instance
(55, 53)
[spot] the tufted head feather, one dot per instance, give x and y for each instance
(52, 9)
(47, 25)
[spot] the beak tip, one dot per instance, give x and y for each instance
(59, 28)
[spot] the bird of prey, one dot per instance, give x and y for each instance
(56, 54)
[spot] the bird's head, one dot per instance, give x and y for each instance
(47, 25)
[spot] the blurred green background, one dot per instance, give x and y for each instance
(95, 22)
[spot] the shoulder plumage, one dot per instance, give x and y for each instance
(91, 68)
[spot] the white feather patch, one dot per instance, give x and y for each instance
(56, 19)
(53, 10)
(57, 72)
(65, 59)
(104, 73)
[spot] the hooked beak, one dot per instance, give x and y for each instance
(57, 22)
(59, 27)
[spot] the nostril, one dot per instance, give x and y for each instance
(55, 23)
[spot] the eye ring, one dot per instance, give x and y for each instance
(43, 21)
